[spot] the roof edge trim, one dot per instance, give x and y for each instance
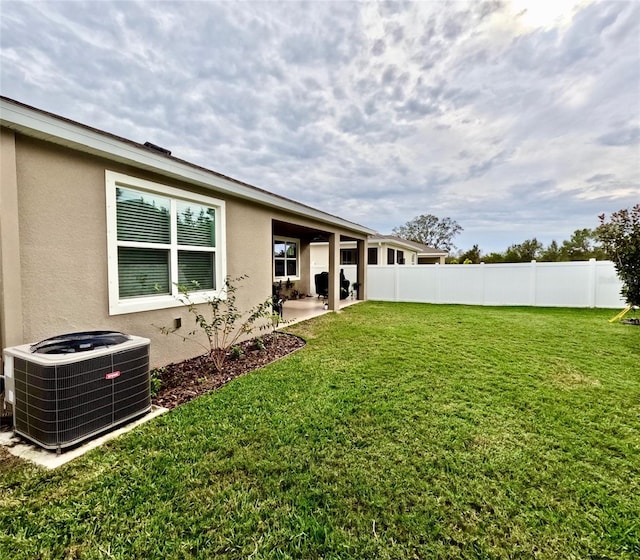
(59, 130)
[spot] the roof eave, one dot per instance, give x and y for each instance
(45, 126)
(407, 244)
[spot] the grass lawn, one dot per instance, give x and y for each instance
(399, 431)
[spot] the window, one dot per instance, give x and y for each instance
(348, 256)
(372, 257)
(391, 256)
(285, 258)
(400, 257)
(158, 237)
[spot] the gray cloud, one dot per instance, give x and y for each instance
(627, 136)
(600, 177)
(375, 112)
(479, 169)
(378, 47)
(415, 109)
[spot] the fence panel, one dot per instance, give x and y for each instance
(506, 284)
(460, 286)
(384, 286)
(607, 286)
(563, 284)
(567, 284)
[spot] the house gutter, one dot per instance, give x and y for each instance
(58, 130)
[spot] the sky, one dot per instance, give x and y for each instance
(515, 118)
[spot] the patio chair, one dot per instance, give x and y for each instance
(277, 299)
(322, 285)
(344, 285)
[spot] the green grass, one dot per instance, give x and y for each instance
(399, 431)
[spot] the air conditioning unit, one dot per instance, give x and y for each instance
(72, 387)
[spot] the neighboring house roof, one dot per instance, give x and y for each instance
(421, 249)
(47, 126)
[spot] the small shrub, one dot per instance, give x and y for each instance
(259, 344)
(236, 352)
(156, 381)
(221, 321)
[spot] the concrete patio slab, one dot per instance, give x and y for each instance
(297, 310)
(24, 449)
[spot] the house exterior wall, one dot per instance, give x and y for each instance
(10, 284)
(62, 250)
(320, 253)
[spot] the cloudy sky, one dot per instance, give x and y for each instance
(516, 118)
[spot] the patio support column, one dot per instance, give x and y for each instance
(11, 322)
(334, 273)
(361, 244)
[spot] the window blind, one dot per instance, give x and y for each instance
(143, 272)
(196, 266)
(142, 217)
(196, 225)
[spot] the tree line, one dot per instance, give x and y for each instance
(617, 238)
(583, 245)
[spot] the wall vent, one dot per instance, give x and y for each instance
(157, 148)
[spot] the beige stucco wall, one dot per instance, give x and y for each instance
(63, 250)
(10, 281)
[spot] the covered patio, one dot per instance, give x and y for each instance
(293, 281)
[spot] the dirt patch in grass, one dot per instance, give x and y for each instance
(184, 381)
(575, 381)
(565, 376)
(8, 461)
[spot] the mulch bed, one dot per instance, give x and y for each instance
(187, 380)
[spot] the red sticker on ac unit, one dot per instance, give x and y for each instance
(112, 375)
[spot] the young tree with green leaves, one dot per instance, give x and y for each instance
(473, 255)
(620, 237)
(526, 251)
(551, 253)
(430, 230)
(581, 246)
(221, 321)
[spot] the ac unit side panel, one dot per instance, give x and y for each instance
(35, 406)
(132, 389)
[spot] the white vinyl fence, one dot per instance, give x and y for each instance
(563, 284)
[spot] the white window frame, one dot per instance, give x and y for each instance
(119, 306)
(273, 258)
